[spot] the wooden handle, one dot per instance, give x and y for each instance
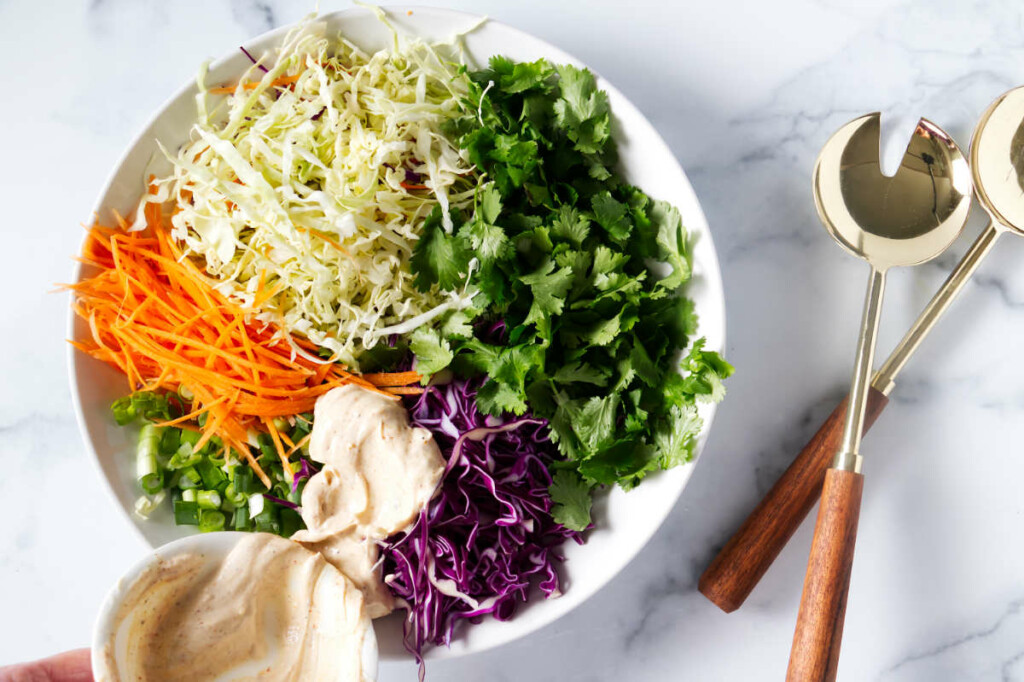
(819, 625)
(734, 573)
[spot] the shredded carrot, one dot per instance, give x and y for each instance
(252, 85)
(392, 378)
(305, 439)
(193, 414)
(408, 185)
(276, 438)
(156, 317)
(405, 390)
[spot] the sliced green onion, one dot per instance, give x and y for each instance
(236, 498)
(266, 445)
(170, 441)
(245, 482)
(256, 505)
(152, 483)
(144, 506)
(124, 410)
(185, 394)
(146, 451)
(268, 520)
(211, 520)
(291, 521)
(189, 478)
(190, 437)
(146, 467)
(189, 495)
(240, 521)
(208, 499)
(186, 513)
(212, 475)
(184, 457)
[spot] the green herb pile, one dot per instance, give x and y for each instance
(562, 251)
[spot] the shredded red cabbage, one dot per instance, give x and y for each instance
(488, 534)
(280, 501)
(253, 59)
(306, 470)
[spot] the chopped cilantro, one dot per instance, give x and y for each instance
(564, 255)
(571, 497)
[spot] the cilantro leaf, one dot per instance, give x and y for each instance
(581, 372)
(432, 352)
(562, 432)
(497, 397)
(621, 462)
(676, 436)
(439, 258)
(571, 225)
(525, 76)
(457, 325)
(672, 247)
(489, 206)
(706, 371)
(488, 241)
(549, 287)
(611, 214)
(571, 498)
(582, 109)
(642, 364)
(596, 423)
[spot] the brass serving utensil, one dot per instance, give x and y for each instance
(997, 165)
(902, 220)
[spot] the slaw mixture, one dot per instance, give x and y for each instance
(459, 241)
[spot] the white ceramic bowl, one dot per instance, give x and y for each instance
(624, 521)
(213, 548)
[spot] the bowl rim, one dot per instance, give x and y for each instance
(694, 221)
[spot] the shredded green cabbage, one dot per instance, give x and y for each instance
(303, 200)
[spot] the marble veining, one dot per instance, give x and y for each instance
(745, 93)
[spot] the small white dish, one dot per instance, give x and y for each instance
(624, 521)
(213, 548)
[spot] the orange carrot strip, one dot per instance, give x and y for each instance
(393, 378)
(251, 85)
(303, 441)
(193, 414)
(405, 390)
(276, 437)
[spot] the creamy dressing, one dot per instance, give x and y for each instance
(270, 611)
(378, 474)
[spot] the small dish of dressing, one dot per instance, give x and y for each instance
(234, 606)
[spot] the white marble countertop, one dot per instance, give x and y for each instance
(745, 93)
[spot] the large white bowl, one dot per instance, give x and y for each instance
(624, 521)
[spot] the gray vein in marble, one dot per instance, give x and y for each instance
(771, 463)
(1008, 665)
(256, 16)
(1012, 609)
(799, 237)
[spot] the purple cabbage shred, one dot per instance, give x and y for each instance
(412, 177)
(253, 59)
(282, 502)
(306, 470)
(487, 536)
